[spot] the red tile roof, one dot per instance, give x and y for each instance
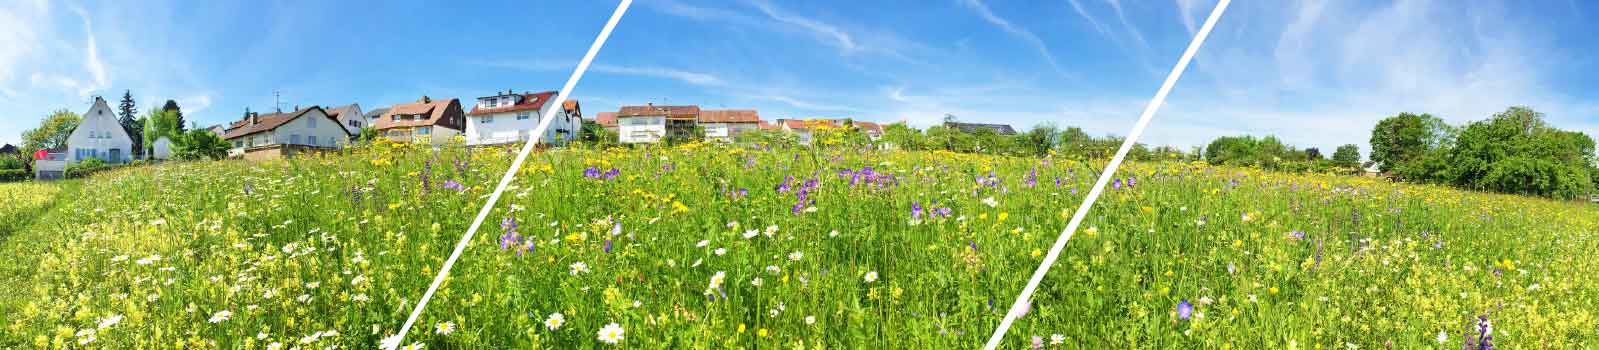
(606, 119)
(531, 101)
(729, 116)
(435, 110)
(671, 112)
(869, 126)
(267, 122)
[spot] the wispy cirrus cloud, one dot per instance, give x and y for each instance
(1016, 31)
(680, 75)
(838, 37)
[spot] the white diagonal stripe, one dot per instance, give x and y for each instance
(1104, 177)
(544, 123)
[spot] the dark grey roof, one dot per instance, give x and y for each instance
(378, 112)
(1001, 129)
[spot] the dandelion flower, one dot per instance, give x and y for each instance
(555, 321)
(612, 333)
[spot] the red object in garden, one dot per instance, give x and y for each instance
(41, 154)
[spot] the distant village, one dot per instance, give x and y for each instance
(506, 117)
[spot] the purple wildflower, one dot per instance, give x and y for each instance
(510, 239)
(451, 184)
(916, 210)
(616, 229)
(607, 245)
(1116, 185)
(248, 190)
(508, 224)
(1184, 310)
(1298, 235)
(1038, 342)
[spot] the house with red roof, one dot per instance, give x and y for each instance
(650, 123)
(724, 125)
(607, 120)
(510, 117)
(285, 134)
(425, 121)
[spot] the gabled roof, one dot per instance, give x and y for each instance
(671, 112)
(729, 116)
(806, 123)
(1001, 129)
(526, 101)
(869, 126)
(265, 122)
(338, 111)
(433, 110)
(378, 112)
(8, 148)
(606, 119)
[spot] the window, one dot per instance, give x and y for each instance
(490, 103)
(424, 130)
(396, 118)
(238, 144)
(488, 119)
(523, 116)
(312, 140)
(310, 121)
(295, 139)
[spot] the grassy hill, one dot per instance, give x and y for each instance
(719, 247)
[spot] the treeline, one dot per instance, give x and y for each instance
(1514, 151)
(1041, 140)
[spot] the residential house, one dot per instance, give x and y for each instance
(802, 128)
(511, 117)
(161, 148)
(651, 123)
(220, 130)
(350, 116)
(424, 121)
(1001, 129)
(873, 131)
(285, 134)
(99, 136)
(373, 115)
(724, 125)
(606, 120)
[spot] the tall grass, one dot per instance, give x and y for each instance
(334, 251)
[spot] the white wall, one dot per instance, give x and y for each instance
(163, 148)
(311, 124)
(353, 117)
(98, 136)
(504, 127)
(643, 129)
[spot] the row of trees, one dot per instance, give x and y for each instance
(1271, 153)
(1514, 151)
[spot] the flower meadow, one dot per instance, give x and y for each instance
(712, 246)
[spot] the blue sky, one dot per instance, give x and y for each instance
(1316, 73)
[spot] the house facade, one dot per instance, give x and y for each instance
(607, 120)
(425, 121)
(724, 125)
(350, 116)
(285, 134)
(510, 117)
(651, 123)
(99, 136)
(1002, 129)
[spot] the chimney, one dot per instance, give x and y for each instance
(425, 99)
(254, 119)
(296, 107)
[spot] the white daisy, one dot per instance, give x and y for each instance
(220, 316)
(871, 276)
(555, 321)
(612, 333)
(444, 328)
(579, 267)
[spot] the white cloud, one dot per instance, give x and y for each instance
(194, 104)
(91, 58)
(1018, 32)
(18, 41)
(1078, 6)
(1120, 15)
(839, 38)
(695, 78)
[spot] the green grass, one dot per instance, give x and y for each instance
(296, 250)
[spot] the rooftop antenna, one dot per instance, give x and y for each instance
(277, 102)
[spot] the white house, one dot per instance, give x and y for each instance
(651, 123)
(162, 148)
(724, 125)
(511, 117)
(350, 116)
(100, 136)
(285, 134)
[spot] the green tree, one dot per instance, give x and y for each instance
(128, 117)
(1040, 140)
(904, 137)
(200, 144)
(172, 106)
(1347, 156)
(1515, 151)
(160, 123)
(1313, 154)
(52, 132)
(1404, 138)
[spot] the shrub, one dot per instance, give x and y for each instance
(11, 175)
(86, 168)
